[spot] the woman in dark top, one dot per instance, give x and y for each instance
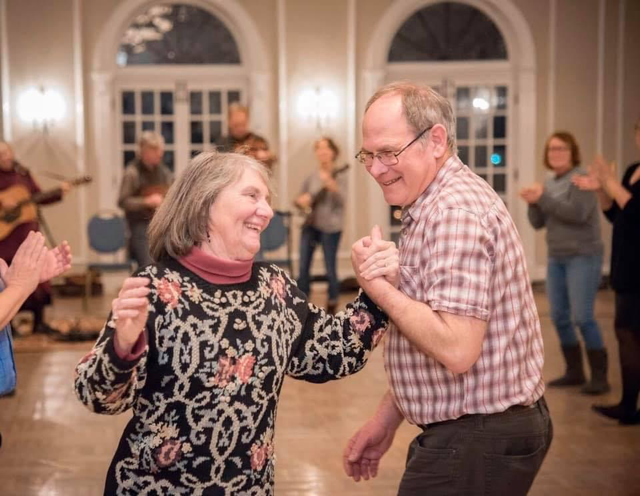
(620, 202)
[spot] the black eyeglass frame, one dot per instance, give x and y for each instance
(361, 155)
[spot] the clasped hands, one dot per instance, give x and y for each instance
(376, 263)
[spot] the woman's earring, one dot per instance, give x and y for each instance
(208, 236)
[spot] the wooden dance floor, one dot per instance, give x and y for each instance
(54, 446)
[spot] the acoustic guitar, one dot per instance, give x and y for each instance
(25, 209)
(309, 211)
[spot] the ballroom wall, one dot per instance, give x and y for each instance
(585, 80)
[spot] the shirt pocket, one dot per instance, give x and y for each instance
(410, 280)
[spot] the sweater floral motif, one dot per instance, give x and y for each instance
(205, 391)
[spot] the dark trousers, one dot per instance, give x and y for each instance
(627, 326)
(498, 454)
(309, 239)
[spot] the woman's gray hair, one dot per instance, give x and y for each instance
(422, 107)
(182, 219)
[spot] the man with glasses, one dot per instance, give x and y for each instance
(464, 356)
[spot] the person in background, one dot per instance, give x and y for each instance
(620, 202)
(145, 181)
(198, 344)
(574, 266)
(464, 353)
(322, 199)
(33, 263)
(240, 139)
(14, 175)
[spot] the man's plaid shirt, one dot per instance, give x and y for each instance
(460, 253)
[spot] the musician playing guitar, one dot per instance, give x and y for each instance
(17, 177)
(323, 196)
(146, 180)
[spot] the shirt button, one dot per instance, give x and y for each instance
(261, 375)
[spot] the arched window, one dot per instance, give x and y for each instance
(447, 31)
(177, 34)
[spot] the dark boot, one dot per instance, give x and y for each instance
(598, 364)
(574, 375)
(624, 416)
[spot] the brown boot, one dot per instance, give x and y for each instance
(574, 375)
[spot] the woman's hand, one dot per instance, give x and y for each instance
(57, 261)
(130, 311)
(586, 183)
(380, 259)
(602, 170)
(27, 265)
(531, 194)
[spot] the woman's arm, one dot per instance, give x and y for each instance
(109, 378)
(331, 347)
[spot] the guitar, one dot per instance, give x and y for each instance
(308, 212)
(25, 209)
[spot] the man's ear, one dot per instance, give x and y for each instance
(438, 136)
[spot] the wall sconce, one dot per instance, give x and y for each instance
(319, 105)
(41, 107)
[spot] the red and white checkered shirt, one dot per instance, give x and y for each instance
(460, 253)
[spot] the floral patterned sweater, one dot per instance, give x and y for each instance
(205, 391)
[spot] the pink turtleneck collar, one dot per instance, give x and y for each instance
(217, 270)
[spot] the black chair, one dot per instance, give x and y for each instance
(107, 235)
(277, 237)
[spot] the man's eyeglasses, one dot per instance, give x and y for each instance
(387, 158)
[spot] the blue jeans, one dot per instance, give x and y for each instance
(572, 284)
(309, 239)
(139, 243)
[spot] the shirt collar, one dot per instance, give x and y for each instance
(411, 212)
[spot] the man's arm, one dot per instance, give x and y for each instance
(453, 340)
(448, 328)
(361, 458)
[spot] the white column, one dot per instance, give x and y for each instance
(378, 207)
(108, 170)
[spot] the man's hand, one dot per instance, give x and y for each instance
(57, 261)
(154, 200)
(27, 265)
(361, 457)
(383, 258)
(373, 258)
(130, 311)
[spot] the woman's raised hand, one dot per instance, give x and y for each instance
(130, 311)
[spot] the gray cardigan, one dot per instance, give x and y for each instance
(328, 214)
(571, 216)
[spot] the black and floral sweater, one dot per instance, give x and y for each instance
(205, 391)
